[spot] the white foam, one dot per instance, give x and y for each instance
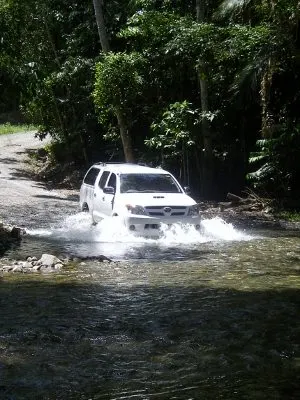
(218, 229)
(79, 228)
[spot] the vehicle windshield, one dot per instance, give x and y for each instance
(148, 183)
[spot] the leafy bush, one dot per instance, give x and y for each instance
(277, 163)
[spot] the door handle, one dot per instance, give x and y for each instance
(95, 195)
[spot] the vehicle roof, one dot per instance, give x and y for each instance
(130, 168)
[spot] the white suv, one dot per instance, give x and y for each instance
(143, 197)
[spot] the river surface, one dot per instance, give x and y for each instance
(192, 315)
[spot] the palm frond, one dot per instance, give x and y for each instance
(262, 173)
(247, 80)
(254, 157)
(263, 142)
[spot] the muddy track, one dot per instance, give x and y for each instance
(23, 201)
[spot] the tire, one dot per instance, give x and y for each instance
(85, 208)
(93, 219)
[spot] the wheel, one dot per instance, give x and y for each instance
(85, 207)
(93, 219)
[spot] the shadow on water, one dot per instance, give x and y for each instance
(8, 244)
(90, 340)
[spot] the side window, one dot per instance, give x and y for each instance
(91, 176)
(112, 181)
(103, 179)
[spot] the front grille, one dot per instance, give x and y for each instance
(155, 213)
(159, 211)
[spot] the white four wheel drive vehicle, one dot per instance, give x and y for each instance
(143, 197)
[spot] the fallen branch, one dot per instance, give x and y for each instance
(237, 199)
(252, 202)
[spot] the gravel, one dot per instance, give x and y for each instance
(23, 201)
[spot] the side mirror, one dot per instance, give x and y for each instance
(108, 190)
(187, 190)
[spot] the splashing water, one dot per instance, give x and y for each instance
(216, 228)
(77, 236)
(78, 228)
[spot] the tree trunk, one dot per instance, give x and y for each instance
(200, 10)
(125, 137)
(207, 154)
(124, 134)
(98, 4)
(267, 120)
(207, 160)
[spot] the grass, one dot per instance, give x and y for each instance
(291, 216)
(9, 128)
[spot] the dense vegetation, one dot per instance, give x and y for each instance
(207, 88)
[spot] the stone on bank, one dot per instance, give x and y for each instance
(47, 263)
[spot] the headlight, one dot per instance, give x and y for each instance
(138, 210)
(193, 210)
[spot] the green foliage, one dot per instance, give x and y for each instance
(292, 216)
(175, 129)
(55, 151)
(62, 106)
(276, 160)
(247, 52)
(148, 31)
(54, 70)
(179, 6)
(192, 40)
(119, 83)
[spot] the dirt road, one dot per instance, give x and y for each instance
(24, 202)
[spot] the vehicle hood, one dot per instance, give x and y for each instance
(156, 199)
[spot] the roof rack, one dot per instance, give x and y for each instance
(110, 162)
(120, 162)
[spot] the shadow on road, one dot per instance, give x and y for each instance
(69, 197)
(8, 161)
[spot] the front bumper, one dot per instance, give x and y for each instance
(144, 224)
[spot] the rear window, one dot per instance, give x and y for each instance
(112, 181)
(103, 179)
(91, 176)
(148, 183)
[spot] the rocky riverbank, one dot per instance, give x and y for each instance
(47, 263)
(9, 235)
(12, 236)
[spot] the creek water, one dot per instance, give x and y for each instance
(212, 314)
